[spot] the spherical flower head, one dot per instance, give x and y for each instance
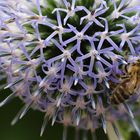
(72, 60)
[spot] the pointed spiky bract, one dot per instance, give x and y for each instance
(66, 57)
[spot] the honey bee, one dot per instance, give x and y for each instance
(128, 86)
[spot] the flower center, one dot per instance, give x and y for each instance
(79, 36)
(125, 36)
(67, 54)
(116, 14)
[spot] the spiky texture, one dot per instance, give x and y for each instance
(65, 58)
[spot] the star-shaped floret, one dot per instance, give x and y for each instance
(79, 36)
(106, 35)
(58, 29)
(131, 38)
(92, 15)
(70, 9)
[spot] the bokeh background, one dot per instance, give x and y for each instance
(29, 127)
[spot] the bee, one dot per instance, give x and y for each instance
(128, 86)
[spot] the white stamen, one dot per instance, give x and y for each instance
(76, 81)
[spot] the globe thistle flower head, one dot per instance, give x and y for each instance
(67, 59)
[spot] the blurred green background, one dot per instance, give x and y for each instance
(29, 127)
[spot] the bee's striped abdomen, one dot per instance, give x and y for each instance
(119, 96)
